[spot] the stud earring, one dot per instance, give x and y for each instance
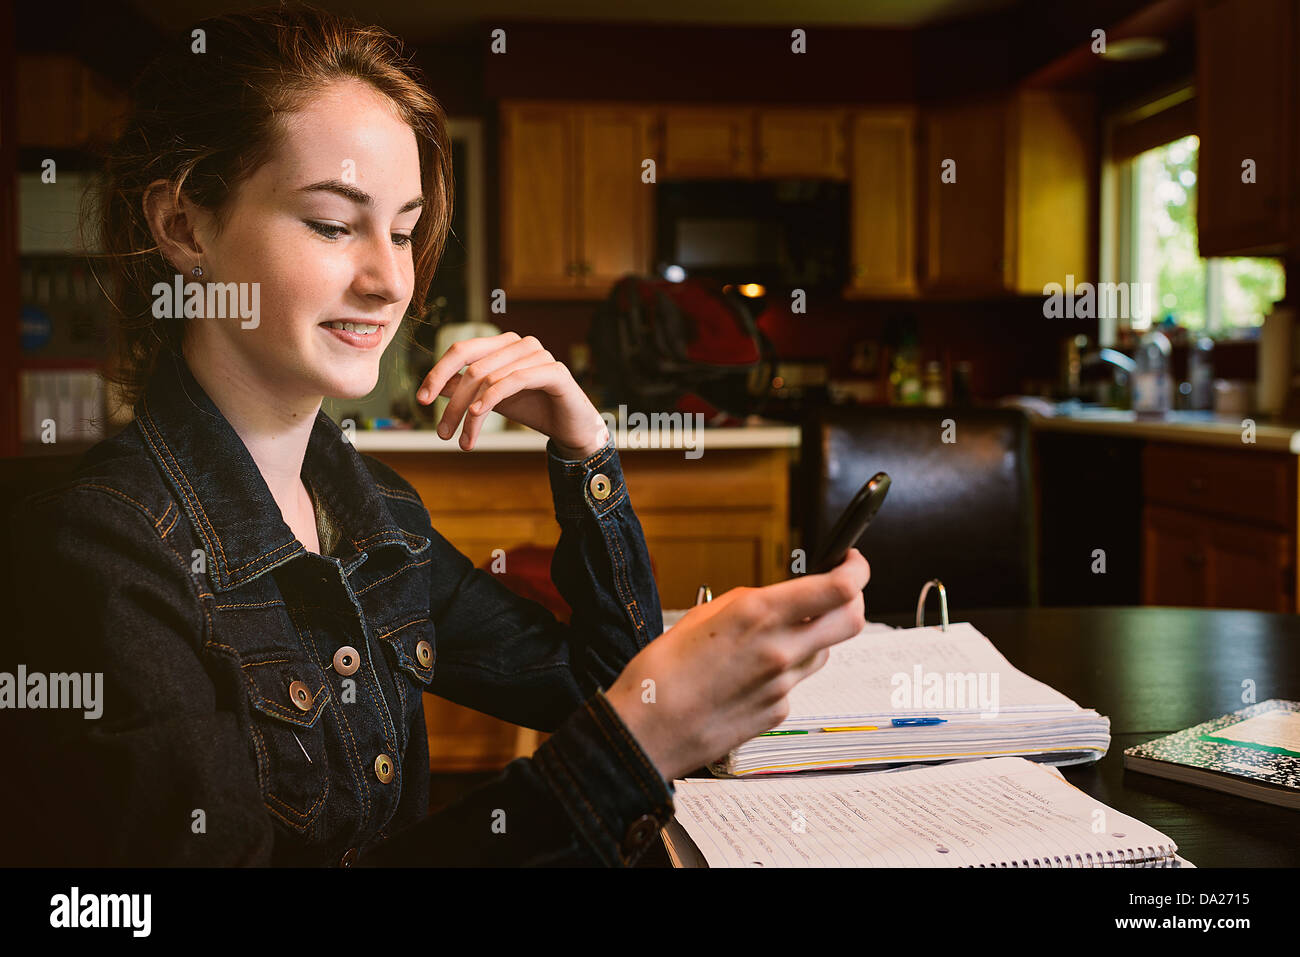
(197, 271)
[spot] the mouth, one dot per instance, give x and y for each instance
(362, 335)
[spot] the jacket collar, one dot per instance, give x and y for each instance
(227, 500)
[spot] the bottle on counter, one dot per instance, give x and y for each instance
(1152, 382)
(933, 391)
(1200, 373)
(905, 376)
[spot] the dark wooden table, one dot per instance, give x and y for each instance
(1153, 671)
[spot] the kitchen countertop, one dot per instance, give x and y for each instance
(1204, 428)
(765, 436)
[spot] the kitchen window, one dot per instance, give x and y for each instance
(1149, 188)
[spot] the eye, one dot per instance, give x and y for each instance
(401, 239)
(328, 230)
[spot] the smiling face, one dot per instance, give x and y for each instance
(324, 226)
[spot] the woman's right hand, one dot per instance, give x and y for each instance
(721, 674)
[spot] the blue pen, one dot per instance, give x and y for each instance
(917, 722)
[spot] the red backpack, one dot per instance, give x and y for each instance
(660, 346)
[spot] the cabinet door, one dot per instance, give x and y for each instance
(708, 144)
(965, 231)
(1175, 559)
(807, 143)
(1248, 567)
(615, 207)
(539, 251)
(1245, 100)
(883, 188)
(1051, 188)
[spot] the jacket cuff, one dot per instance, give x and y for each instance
(610, 789)
(593, 485)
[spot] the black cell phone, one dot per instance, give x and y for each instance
(853, 523)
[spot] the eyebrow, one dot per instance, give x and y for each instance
(358, 196)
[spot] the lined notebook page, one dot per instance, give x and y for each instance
(995, 812)
(858, 679)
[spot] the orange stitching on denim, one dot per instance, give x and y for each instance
(638, 624)
(404, 568)
(306, 816)
(554, 757)
(120, 494)
(163, 517)
(357, 772)
(184, 481)
(618, 750)
(175, 518)
(399, 494)
(250, 604)
(635, 748)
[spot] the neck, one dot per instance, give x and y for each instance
(273, 426)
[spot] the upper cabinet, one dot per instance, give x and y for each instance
(575, 212)
(1009, 189)
(707, 143)
(807, 144)
(1247, 189)
(882, 183)
(976, 199)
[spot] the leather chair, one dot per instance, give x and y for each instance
(962, 512)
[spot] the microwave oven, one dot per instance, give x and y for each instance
(783, 234)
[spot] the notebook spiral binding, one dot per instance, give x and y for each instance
(1134, 856)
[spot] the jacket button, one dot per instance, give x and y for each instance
(349, 857)
(347, 660)
(643, 830)
(600, 487)
(300, 695)
(424, 654)
(384, 768)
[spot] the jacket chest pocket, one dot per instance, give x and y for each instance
(411, 651)
(288, 695)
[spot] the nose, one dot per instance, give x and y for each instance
(385, 270)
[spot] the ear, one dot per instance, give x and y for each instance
(172, 221)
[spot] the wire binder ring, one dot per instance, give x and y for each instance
(943, 605)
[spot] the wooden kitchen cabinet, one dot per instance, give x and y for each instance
(1245, 103)
(722, 519)
(575, 213)
(707, 143)
(882, 178)
(1219, 527)
(1019, 213)
(63, 104)
(802, 143)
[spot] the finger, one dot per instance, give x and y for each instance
(471, 383)
(811, 664)
(501, 377)
(456, 358)
(829, 629)
(810, 596)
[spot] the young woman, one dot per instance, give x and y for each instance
(266, 606)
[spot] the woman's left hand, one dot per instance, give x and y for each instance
(522, 381)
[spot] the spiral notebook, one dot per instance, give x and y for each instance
(996, 812)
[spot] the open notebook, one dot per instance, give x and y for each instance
(1002, 812)
(988, 707)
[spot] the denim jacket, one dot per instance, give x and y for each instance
(262, 704)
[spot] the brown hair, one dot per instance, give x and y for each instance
(205, 121)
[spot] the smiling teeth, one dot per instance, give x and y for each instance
(364, 329)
